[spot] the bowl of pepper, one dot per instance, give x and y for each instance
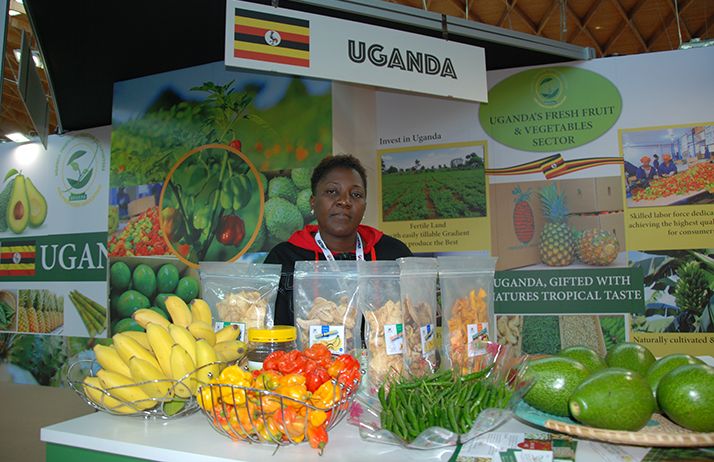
(297, 397)
(445, 408)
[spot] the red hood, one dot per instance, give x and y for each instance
(305, 238)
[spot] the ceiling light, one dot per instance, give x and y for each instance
(35, 57)
(18, 137)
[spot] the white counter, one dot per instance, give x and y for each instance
(192, 438)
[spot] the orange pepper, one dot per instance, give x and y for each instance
(297, 393)
(292, 379)
(316, 417)
(267, 380)
(326, 396)
(317, 437)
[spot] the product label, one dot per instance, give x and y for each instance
(427, 339)
(478, 336)
(218, 325)
(394, 338)
(333, 337)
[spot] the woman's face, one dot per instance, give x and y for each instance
(339, 202)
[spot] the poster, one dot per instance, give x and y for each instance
(199, 154)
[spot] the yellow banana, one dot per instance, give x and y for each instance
(144, 316)
(94, 391)
(139, 337)
(230, 332)
(124, 389)
(150, 379)
(179, 311)
(182, 369)
(200, 329)
(230, 350)
(200, 311)
(128, 347)
(161, 343)
(206, 362)
(183, 337)
(109, 359)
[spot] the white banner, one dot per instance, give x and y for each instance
(292, 42)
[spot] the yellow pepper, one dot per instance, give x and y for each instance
(234, 375)
(326, 396)
(297, 393)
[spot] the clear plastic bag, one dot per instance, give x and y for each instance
(241, 293)
(418, 294)
(378, 298)
(468, 320)
(324, 300)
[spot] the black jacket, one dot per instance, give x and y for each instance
(302, 246)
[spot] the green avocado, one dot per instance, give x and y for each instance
(18, 208)
(167, 278)
(685, 395)
(119, 276)
(38, 204)
(160, 301)
(130, 301)
(126, 324)
(666, 364)
(586, 356)
(4, 202)
(554, 379)
(630, 356)
(613, 398)
(143, 279)
(187, 289)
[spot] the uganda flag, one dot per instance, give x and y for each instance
(272, 38)
(17, 258)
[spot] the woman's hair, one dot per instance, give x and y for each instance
(340, 161)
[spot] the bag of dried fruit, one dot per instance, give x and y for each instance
(467, 305)
(378, 298)
(324, 301)
(418, 295)
(241, 293)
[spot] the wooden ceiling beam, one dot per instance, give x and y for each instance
(708, 24)
(546, 17)
(585, 30)
(628, 20)
(511, 6)
(620, 28)
(683, 5)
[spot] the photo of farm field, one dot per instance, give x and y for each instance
(434, 184)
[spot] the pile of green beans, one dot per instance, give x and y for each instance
(441, 400)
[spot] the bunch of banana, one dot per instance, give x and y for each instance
(167, 362)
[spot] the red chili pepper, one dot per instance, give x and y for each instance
(318, 352)
(317, 437)
(271, 361)
(231, 230)
(316, 377)
(292, 362)
(236, 144)
(342, 364)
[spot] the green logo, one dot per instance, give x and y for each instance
(77, 167)
(550, 109)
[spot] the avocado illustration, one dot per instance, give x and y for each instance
(685, 395)
(554, 379)
(613, 398)
(586, 356)
(38, 204)
(4, 202)
(18, 208)
(630, 356)
(666, 364)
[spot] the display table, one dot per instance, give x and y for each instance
(106, 438)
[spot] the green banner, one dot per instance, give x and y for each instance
(59, 257)
(611, 290)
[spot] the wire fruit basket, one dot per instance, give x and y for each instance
(262, 416)
(177, 398)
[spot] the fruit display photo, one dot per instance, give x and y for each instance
(628, 390)
(146, 284)
(679, 296)
(40, 311)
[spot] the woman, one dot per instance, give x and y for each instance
(667, 167)
(339, 199)
(646, 172)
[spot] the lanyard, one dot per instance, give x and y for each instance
(359, 250)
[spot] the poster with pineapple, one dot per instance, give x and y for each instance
(49, 266)
(567, 147)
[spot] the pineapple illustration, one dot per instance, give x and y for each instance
(692, 290)
(523, 222)
(557, 244)
(33, 324)
(597, 247)
(22, 321)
